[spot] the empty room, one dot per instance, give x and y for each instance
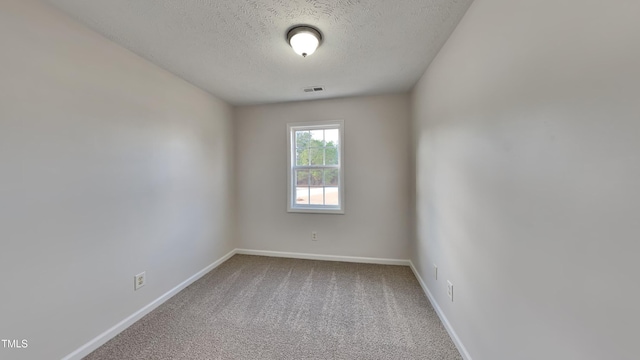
(319, 179)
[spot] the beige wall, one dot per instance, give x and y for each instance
(527, 134)
(525, 145)
(376, 219)
(109, 166)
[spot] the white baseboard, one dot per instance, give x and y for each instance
(447, 325)
(99, 340)
(352, 259)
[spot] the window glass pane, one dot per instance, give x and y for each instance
(332, 137)
(316, 196)
(331, 154)
(317, 138)
(316, 177)
(302, 139)
(331, 196)
(302, 195)
(302, 177)
(302, 156)
(316, 155)
(331, 177)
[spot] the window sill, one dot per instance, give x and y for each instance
(306, 210)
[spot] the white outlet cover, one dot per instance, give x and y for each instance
(139, 280)
(450, 290)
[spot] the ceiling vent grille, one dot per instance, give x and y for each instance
(312, 89)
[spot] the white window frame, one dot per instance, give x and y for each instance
(291, 167)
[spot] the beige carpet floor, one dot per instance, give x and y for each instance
(254, 307)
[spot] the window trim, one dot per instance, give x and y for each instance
(314, 209)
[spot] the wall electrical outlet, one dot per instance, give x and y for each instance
(450, 290)
(435, 271)
(139, 280)
(314, 236)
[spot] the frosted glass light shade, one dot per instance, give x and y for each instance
(304, 40)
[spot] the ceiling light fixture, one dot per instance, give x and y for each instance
(304, 39)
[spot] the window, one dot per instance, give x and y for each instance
(315, 165)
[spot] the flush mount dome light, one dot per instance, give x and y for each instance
(304, 39)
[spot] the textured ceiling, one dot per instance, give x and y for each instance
(236, 49)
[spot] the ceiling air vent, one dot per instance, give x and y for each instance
(311, 89)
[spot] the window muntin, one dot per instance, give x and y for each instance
(315, 159)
